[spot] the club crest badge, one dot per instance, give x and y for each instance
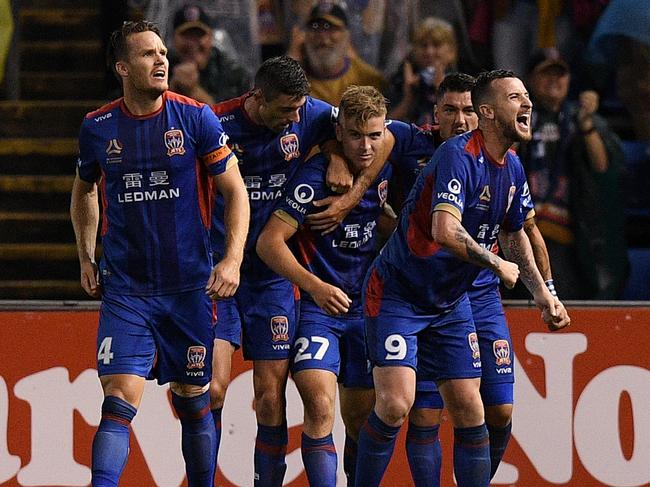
(290, 146)
(382, 191)
(472, 339)
(280, 329)
(501, 350)
(196, 357)
(175, 142)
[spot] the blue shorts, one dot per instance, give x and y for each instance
(494, 341)
(437, 347)
(333, 343)
(228, 326)
(264, 312)
(173, 332)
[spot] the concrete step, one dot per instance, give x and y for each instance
(44, 118)
(35, 201)
(34, 252)
(52, 156)
(26, 227)
(77, 55)
(42, 289)
(85, 85)
(21, 183)
(42, 24)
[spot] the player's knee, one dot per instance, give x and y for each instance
(268, 403)
(319, 409)
(394, 409)
(498, 416)
(188, 390)
(217, 393)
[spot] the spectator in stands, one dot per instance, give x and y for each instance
(327, 56)
(412, 90)
(199, 68)
(573, 163)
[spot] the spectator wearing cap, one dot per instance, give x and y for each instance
(572, 163)
(327, 55)
(199, 68)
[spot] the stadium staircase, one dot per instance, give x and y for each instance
(61, 77)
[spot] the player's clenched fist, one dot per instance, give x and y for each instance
(508, 272)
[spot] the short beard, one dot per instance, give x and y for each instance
(324, 60)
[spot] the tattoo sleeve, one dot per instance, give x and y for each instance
(476, 253)
(521, 254)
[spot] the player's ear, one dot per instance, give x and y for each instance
(121, 69)
(435, 113)
(339, 131)
(486, 111)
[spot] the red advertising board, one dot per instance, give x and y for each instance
(582, 413)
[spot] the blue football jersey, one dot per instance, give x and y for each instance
(486, 278)
(341, 257)
(413, 149)
(154, 176)
(463, 180)
(267, 160)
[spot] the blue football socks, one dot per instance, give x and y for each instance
(376, 445)
(319, 459)
(424, 455)
(472, 456)
(270, 450)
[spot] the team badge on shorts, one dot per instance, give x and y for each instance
(280, 329)
(501, 349)
(196, 357)
(472, 339)
(290, 146)
(174, 141)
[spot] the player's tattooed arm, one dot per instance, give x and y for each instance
(538, 245)
(517, 248)
(448, 232)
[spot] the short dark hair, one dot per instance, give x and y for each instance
(281, 75)
(483, 86)
(118, 47)
(455, 83)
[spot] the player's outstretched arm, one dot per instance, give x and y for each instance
(448, 232)
(273, 250)
(543, 263)
(224, 279)
(338, 207)
(84, 213)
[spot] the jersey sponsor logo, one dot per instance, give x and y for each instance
(175, 141)
(101, 118)
(382, 192)
(279, 329)
(472, 340)
(196, 357)
(501, 350)
(303, 193)
(290, 146)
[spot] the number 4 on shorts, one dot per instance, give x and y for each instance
(105, 354)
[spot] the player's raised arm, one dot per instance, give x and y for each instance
(84, 213)
(224, 279)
